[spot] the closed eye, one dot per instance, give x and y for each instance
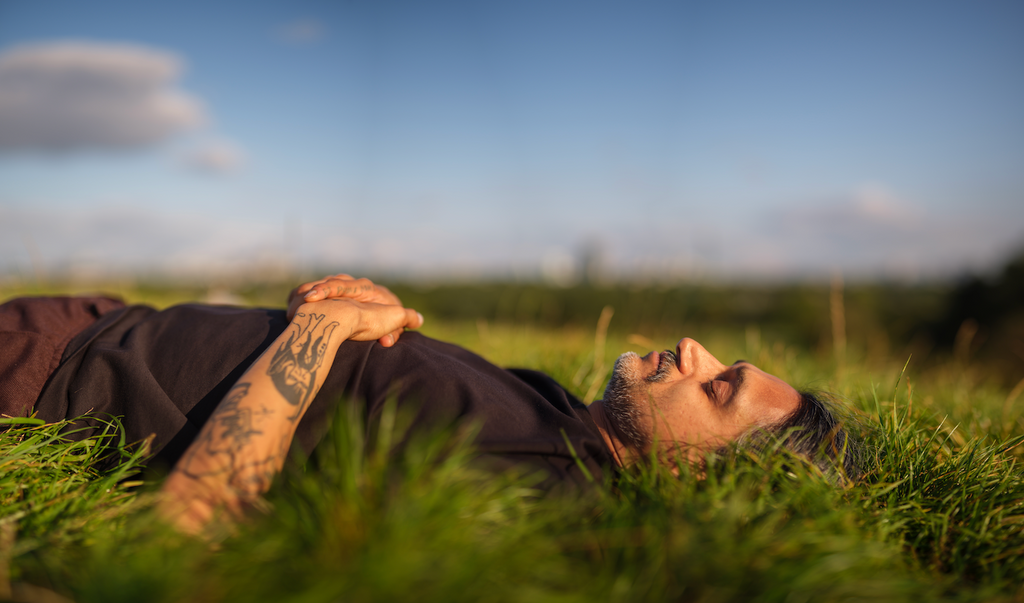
(723, 388)
(718, 390)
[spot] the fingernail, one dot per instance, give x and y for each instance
(310, 293)
(421, 317)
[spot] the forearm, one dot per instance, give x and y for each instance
(246, 440)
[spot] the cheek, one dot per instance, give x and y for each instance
(679, 414)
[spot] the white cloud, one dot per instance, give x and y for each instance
(877, 203)
(874, 232)
(119, 239)
(302, 31)
(871, 207)
(66, 96)
(114, 239)
(217, 157)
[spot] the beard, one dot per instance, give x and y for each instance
(627, 398)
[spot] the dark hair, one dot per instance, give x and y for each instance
(816, 431)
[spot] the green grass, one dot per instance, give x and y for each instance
(938, 516)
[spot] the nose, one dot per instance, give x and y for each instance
(694, 360)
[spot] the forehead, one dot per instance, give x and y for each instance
(763, 397)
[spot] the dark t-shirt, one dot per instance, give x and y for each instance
(165, 372)
(34, 331)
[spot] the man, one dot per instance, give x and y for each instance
(222, 393)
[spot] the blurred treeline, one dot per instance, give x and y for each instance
(986, 317)
(978, 320)
(801, 315)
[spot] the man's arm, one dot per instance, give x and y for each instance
(246, 440)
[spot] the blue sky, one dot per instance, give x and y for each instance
(694, 140)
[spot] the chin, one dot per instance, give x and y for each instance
(625, 400)
(627, 367)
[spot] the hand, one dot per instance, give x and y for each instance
(368, 320)
(340, 285)
(343, 286)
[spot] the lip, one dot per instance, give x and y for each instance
(649, 363)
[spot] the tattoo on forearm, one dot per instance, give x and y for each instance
(230, 448)
(226, 434)
(295, 364)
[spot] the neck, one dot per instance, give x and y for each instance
(621, 453)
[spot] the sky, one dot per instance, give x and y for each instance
(520, 139)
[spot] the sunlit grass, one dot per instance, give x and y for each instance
(938, 516)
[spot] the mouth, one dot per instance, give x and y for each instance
(667, 362)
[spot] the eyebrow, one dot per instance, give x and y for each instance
(741, 373)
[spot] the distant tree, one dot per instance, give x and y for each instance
(991, 311)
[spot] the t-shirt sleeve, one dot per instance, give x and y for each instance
(33, 334)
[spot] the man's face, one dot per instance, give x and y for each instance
(688, 398)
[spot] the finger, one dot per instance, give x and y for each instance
(361, 289)
(343, 285)
(319, 281)
(413, 320)
(391, 338)
(388, 295)
(312, 291)
(379, 322)
(304, 288)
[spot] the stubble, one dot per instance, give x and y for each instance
(627, 398)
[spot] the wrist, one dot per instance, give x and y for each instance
(317, 316)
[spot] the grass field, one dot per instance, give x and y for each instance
(938, 516)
